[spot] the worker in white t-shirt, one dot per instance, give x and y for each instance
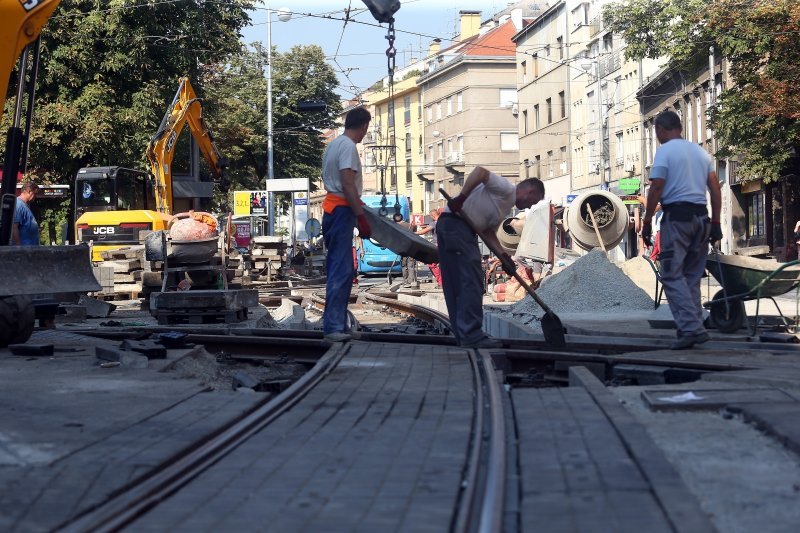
(486, 199)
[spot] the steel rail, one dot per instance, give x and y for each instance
(482, 500)
(124, 508)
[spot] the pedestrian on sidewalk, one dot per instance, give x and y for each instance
(431, 228)
(25, 229)
(342, 211)
(486, 199)
(681, 173)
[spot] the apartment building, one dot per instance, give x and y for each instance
(755, 216)
(393, 146)
(469, 96)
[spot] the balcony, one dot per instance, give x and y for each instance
(609, 63)
(454, 157)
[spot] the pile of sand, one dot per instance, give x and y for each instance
(592, 284)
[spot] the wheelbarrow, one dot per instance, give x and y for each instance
(745, 278)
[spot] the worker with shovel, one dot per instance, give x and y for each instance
(486, 199)
(679, 177)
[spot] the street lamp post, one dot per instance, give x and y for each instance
(283, 15)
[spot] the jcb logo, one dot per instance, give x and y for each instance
(104, 230)
(29, 4)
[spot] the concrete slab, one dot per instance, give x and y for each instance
(709, 399)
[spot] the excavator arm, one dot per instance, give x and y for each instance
(20, 24)
(186, 108)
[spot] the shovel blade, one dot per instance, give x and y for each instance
(46, 270)
(553, 330)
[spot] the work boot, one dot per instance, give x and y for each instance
(485, 342)
(337, 337)
(688, 341)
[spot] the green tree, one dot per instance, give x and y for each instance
(237, 109)
(757, 118)
(108, 70)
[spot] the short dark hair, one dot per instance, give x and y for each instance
(535, 184)
(29, 186)
(356, 118)
(669, 120)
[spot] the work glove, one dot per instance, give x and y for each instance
(716, 233)
(647, 234)
(457, 203)
(508, 264)
(364, 229)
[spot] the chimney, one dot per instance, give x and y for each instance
(516, 18)
(470, 24)
(435, 47)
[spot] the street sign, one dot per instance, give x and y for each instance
(629, 185)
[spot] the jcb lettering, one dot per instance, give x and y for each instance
(104, 230)
(29, 4)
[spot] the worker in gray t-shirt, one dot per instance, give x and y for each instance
(681, 173)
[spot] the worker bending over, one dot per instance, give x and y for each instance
(486, 199)
(679, 177)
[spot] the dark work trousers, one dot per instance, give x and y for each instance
(337, 230)
(409, 265)
(684, 248)
(462, 277)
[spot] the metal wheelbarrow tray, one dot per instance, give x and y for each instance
(400, 240)
(746, 278)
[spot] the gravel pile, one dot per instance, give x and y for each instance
(592, 284)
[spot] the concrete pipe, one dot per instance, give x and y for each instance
(507, 236)
(609, 212)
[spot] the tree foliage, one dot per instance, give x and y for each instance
(109, 69)
(237, 109)
(757, 118)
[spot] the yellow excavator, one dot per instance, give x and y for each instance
(117, 207)
(28, 270)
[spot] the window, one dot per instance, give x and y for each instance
(508, 97)
(548, 64)
(698, 118)
(438, 111)
(460, 143)
(755, 215)
(593, 164)
(562, 102)
(592, 108)
(419, 108)
(678, 110)
(560, 44)
(420, 144)
(525, 122)
(707, 95)
(390, 110)
(618, 94)
(536, 123)
(608, 42)
(689, 126)
(549, 104)
(408, 173)
(450, 147)
(648, 136)
(431, 157)
(524, 69)
(429, 112)
(440, 146)
(408, 142)
(620, 149)
(509, 141)
(459, 101)
(407, 110)
(537, 167)
(535, 66)
(563, 160)
(449, 105)
(550, 164)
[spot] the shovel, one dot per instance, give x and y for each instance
(552, 328)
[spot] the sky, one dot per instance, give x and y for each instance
(357, 50)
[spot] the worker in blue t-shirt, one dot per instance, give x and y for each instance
(25, 230)
(681, 173)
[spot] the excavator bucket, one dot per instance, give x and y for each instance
(26, 270)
